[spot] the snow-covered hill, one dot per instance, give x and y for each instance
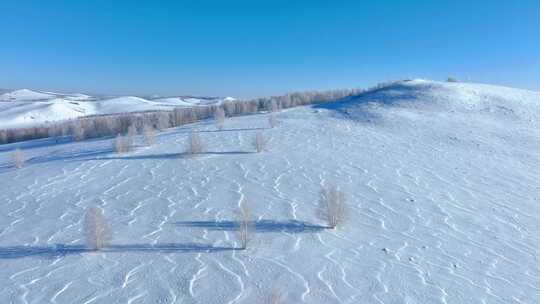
(23, 108)
(442, 185)
(438, 97)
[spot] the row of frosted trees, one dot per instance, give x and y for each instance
(332, 209)
(111, 125)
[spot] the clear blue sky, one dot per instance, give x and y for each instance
(255, 48)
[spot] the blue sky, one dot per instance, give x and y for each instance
(256, 48)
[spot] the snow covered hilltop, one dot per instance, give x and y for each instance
(440, 180)
(449, 98)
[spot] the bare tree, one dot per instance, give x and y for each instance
(276, 297)
(130, 136)
(18, 158)
(149, 135)
(122, 144)
(55, 132)
(219, 117)
(163, 120)
(272, 120)
(260, 142)
(274, 107)
(230, 107)
(244, 225)
(78, 131)
(65, 129)
(3, 137)
(195, 144)
(132, 131)
(96, 229)
(332, 206)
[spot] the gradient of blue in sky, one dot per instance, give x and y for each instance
(256, 48)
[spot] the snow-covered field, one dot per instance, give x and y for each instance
(23, 108)
(442, 184)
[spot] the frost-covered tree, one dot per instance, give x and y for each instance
(149, 135)
(130, 136)
(332, 206)
(244, 226)
(122, 144)
(276, 297)
(54, 131)
(3, 137)
(78, 131)
(96, 229)
(274, 106)
(195, 144)
(272, 120)
(18, 159)
(163, 120)
(229, 108)
(260, 142)
(219, 117)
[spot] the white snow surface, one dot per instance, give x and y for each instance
(25, 95)
(24, 108)
(442, 186)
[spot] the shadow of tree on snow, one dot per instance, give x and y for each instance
(59, 250)
(263, 226)
(169, 155)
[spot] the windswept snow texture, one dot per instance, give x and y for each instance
(442, 184)
(24, 108)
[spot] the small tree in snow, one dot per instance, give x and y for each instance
(274, 107)
(276, 297)
(3, 137)
(195, 144)
(122, 144)
(54, 131)
(452, 79)
(259, 142)
(17, 157)
(272, 120)
(78, 131)
(332, 206)
(163, 120)
(149, 135)
(96, 229)
(130, 136)
(244, 226)
(219, 117)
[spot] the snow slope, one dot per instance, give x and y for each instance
(441, 182)
(25, 95)
(23, 108)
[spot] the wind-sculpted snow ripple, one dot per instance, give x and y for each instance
(442, 208)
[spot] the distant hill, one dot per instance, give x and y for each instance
(24, 107)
